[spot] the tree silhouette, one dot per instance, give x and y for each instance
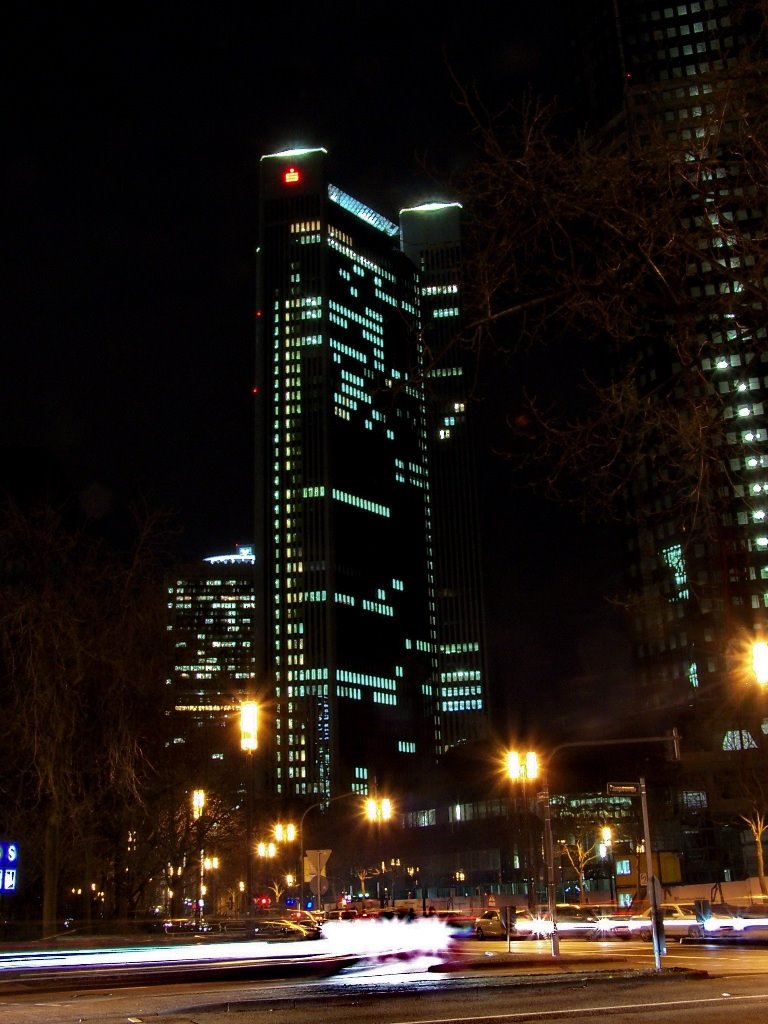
(81, 641)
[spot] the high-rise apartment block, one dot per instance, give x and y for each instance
(367, 588)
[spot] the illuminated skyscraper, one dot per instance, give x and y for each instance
(682, 78)
(349, 585)
(211, 626)
(702, 581)
(431, 238)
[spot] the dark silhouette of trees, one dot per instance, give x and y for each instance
(82, 656)
(605, 271)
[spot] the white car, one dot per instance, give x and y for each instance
(490, 925)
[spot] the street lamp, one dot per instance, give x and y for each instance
(265, 850)
(249, 741)
(210, 864)
(606, 854)
(378, 810)
(760, 662)
(198, 805)
(285, 833)
(520, 767)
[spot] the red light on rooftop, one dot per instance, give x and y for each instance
(291, 176)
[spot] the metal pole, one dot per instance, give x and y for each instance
(549, 854)
(651, 878)
(301, 855)
(249, 909)
(201, 887)
(320, 803)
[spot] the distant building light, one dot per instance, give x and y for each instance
(243, 556)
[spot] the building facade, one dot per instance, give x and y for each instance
(211, 625)
(678, 84)
(431, 238)
(348, 592)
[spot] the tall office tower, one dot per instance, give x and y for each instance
(702, 578)
(211, 612)
(348, 513)
(431, 238)
(699, 555)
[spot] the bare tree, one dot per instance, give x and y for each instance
(605, 271)
(754, 786)
(580, 855)
(81, 644)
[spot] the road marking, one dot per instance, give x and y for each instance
(687, 1004)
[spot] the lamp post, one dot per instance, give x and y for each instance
(519, 768)
(378, 810)
(284, 834)
(606, 853)
(249, 741)
(312, 807)
(198, 805)
(210, 864)
(638, 789)
(266, 851)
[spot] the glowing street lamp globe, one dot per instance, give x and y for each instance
(249, 726)
(760, 661)
(522, 766)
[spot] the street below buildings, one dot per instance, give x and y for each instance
(472, 981)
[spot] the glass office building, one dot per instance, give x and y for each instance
(348, 592)
(211, 625)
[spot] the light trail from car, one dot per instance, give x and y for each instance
(363, 939)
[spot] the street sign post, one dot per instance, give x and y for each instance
(652, 883)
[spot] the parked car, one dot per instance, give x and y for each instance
(490, 925)
(680, 922)
(574, 921)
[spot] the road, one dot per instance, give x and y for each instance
(595, 981)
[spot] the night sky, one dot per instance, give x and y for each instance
(131, 163)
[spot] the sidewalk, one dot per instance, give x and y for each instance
(527, 963)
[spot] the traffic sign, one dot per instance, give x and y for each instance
(9, 858)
